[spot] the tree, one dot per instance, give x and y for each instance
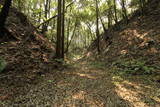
(68, 32)
(141, 6)
(115, 13)
(3, 15)
(97, 27)
(63, 28)
(124, 11)
(109, 13)
(59, 33)
(91, 21)
(46, 11)
(20, 4)
(69, 41)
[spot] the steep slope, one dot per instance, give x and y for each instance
(140, 39)
(23, 47)
(27, 53)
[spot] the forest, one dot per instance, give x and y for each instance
(79, 53)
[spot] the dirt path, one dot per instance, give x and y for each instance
(84, 85)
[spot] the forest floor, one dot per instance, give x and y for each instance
(83, 83)
(33, 79)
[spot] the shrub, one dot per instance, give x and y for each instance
(98, 64)
(134, 67)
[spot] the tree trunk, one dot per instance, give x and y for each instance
(142, 5)
(55, 16)
(124, 11)
(104, 28)
(40, 13)
(58, 44)
(45, 25)
(68, 30)
(3, 15)
(89, 27)
(63, 28)
(69, 42)
(97, 27)
(115, 14)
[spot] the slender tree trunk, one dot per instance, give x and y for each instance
(46, 10)
(49, 8)
(3, 15)
(115, 14)
(58, 44)
(19, 5)
(109, 14)
(53, 27)
(40, 14)
(104, 28)
(97, 27)
(68, 30)
(142, 5)
(90, 31)
(63, 28)
(69, 43)
(109, 19)
(55, 16)
(124, 11)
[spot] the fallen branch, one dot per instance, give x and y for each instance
(48, 20)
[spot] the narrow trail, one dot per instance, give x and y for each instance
(84, 85)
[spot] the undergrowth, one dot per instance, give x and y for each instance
(133, 67)
(98, 64)
(2, 64)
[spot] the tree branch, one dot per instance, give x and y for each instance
(48, 20)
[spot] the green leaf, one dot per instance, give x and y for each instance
(50, 81)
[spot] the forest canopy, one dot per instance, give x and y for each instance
(79, 14)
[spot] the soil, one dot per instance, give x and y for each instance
(81, 85)
(33, 79)
(140, 39)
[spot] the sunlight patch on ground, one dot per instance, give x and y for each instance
(93, 71)
(79, 95)
(130, 96)
(141, 36)
(87, 99)
(80, 99)
(132, 92)
(77, 57)
(123, 52)
(63, 84)
(86, 75)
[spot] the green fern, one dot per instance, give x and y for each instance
(135, 67)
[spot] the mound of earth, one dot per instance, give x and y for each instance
(27, 53)
(140, 39)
